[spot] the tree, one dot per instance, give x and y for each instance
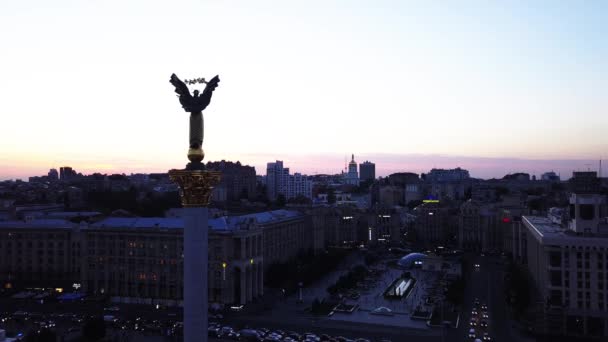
(94, 329)
(518, 288)
(300, 199)
(370, 258)
(468, 193)
(536, 204)
(413, 204)
(281, 201)
(43, 335)
(455, 292)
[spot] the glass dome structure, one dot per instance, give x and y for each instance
(411, 260)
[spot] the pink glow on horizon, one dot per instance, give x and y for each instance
(323, 164)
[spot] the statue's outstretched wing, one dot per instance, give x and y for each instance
(182, 89)
(212, 84)
(209, 88)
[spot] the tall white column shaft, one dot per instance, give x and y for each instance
(195, 274)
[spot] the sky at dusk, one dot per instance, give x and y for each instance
(494, 87)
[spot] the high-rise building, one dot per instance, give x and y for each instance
(238, 180)
(550, 176)
(299, 185)
(276, 179)
(53, 175)
(442, 175)
(66, 173)
(367, 171)
(280, 182)
(352, 177)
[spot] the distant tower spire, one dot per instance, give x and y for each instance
(600, 168)
(353, 157)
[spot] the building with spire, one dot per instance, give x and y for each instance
(352, 177)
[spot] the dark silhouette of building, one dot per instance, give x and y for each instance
(66, 173)
(238, 180)
(442, 175)
(367, 171)
(53, 175)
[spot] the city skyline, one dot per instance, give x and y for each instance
(491, 82)
(386, 164)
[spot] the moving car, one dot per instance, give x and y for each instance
(472, 333)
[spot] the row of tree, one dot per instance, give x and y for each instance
(305, 268)
(349, 280)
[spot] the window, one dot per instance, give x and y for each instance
(572, 211)
(556, 278)
(555, 258)
(587, 211)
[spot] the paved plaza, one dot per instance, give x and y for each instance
(371, 295)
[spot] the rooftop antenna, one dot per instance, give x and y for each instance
(588, 167)
(600, 167)
(345, 168)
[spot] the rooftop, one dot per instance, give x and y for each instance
(43, 223)
(547, 232)
(225, 223)
(271, 216)
(221, 223)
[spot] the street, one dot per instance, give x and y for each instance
(485, 283)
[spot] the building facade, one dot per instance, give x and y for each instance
(367, 171)
(238, 180)
(384, 226)
(449, 175)
(39, 253)
(569, 264)
(299, 185)
(431, 225)
(140, 260)
(280, 182)
(338, 224)
(277, 178)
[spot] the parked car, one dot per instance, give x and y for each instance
(251, 335)
(214, 331)
(228, 332)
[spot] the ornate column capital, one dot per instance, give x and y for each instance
(195, 186)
